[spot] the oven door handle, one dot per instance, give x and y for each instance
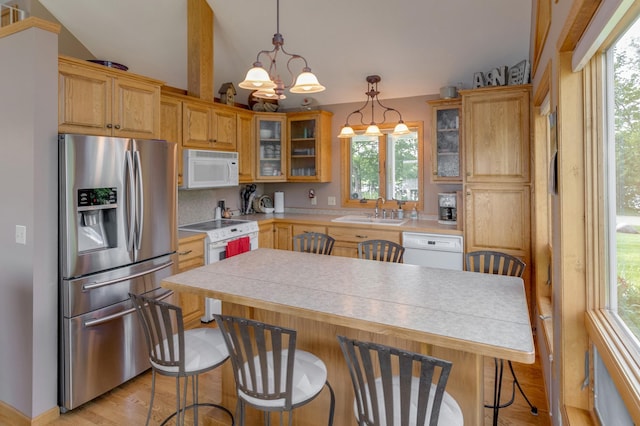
(108, 318)
(93, 286)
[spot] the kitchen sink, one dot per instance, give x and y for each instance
(369, 220)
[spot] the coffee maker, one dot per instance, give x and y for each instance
(447, 209)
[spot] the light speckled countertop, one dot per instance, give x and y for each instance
(479, 313)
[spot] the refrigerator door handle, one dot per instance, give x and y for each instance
(93, 286)
(139, 200)
(131, 202)
(126, 312)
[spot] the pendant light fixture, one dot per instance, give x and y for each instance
(373, 129)
(267, 83)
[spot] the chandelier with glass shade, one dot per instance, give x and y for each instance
(266, 81)
(373, 129)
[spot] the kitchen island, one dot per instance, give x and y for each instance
(458, 316)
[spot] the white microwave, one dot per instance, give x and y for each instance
(209, 169)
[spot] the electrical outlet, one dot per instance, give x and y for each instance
(314, 201)
(21, 234)
(331, 201)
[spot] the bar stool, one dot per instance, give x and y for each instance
(179, 353)
(382, 250)
(388, 393)
(313, 242)
(271, 375)
(494, 262)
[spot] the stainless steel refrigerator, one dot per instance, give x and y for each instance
(118, 234)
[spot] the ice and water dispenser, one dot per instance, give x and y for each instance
(96, 219)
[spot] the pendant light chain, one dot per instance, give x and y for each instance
(373, 129)
(265, 85)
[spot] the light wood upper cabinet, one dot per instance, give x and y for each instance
(97, 100)
(246, 147)
(309, 146)
(496, 134)
(446, 140)
(205, 126)
(171, 126)
(271, 147)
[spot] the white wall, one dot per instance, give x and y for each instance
(28, 187)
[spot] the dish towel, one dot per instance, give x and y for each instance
(238, 246)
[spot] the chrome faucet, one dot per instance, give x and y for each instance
(377, 205)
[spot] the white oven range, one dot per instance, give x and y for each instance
(220, 233)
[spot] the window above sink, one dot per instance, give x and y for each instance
(370, 161)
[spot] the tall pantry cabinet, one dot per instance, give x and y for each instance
(497, 181)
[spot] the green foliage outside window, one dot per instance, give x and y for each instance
(626, 86)
(401, 170)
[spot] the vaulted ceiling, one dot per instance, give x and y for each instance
(416, 46)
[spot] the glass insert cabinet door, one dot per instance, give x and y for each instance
(271, 137)
(309, 143)
(302, 160)
(445, 142)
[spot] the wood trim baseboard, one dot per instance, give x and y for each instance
(574, 416)
(11, 416)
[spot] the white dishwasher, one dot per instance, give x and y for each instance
(433, 250)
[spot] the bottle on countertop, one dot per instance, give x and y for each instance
(400, 211)
(414, 213)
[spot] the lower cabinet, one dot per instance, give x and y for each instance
(347, 239)
(498, 217)
(265, 235)
(191, 255)
(303, 229)
(283, 235)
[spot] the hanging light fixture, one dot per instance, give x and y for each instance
(267, 83)
(373, 129)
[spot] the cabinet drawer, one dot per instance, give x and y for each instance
(303, 229)
(190, 253)
(356, 235)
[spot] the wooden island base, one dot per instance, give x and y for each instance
(465, 382)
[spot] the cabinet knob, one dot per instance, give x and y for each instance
(117, 126)
(184, 253)
(212, 140)
(109, 126)
(361, 236)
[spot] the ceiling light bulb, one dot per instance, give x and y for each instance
(264, 94)
(257, 78)
(373, 130)
(346, 132)
(401, 129)
(307, 82)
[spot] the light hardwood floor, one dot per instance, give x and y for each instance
(128, 403)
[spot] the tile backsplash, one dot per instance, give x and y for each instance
(199, 205)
